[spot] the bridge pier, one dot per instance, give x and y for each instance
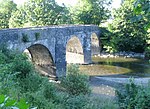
(87, 57)
(87, 49)
(60, 61)
(61, 69)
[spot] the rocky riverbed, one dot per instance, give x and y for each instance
(121, 54)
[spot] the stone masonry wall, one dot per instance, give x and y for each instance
(54, 38)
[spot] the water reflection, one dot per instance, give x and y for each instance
(112, 66)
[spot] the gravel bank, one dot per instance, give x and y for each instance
(106, 86)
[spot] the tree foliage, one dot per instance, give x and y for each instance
(128, 35)
(48, 12)
(142, 11)
(40, 13)
(6, 8)
(18, 18)
(90, 11)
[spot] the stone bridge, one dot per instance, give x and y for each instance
(47, 46)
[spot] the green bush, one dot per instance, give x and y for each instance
(9, 103)
(6, 76)
(22, 65)
(3, 49)
(6, 55)
(143, 99)
(134, 97)
(76, 102)
(75, 83)
(126, 98)
(97, 102)
(127, 43)
(38, 91)
(3, 58)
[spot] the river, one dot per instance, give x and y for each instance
(119, 66)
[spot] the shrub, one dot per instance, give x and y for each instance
(6, 76)
(9, 103)
(76, 102)
(3, 58)
(18, 79)
(3, 49)
(75, 83)
(22, 65)
(38, 91)
(31, 83)
(126, 98)
(143, 99)
(97, 102)
(5, 54)
(134, 97)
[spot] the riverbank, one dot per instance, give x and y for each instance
(121, 54)
(106, 86)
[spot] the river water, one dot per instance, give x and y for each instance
(120, 66)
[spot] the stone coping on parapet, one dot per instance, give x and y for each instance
(50, 26)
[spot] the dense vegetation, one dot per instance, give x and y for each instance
(128, 36)
(39, 13)
(90, 11)
(6, 9)
(128, 29)
(23, 87)
(134, 97)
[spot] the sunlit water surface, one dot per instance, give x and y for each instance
(117, 67)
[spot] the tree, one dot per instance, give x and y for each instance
(90, 11)
(142, 11)
(40, 13)
(6, 8)
(18, 18)
(128, 35)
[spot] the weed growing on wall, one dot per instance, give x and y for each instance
(25, 37)
(37, 36)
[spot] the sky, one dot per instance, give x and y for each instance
(115, 4)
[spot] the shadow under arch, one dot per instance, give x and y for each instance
(95, 44)
(42, 59)
(74, 51)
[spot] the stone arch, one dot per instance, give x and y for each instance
(95, 44)
(42, 59)
(74, 50)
